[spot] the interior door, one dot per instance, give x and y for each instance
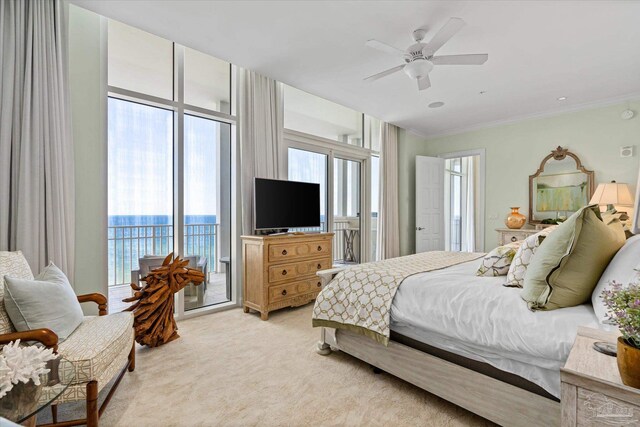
(430, 233)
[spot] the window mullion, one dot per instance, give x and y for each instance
(178, 163)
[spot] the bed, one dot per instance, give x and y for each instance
(472, 341)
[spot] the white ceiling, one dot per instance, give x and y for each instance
(588, 51)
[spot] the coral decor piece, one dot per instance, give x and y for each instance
(153, 323)
(22, 364)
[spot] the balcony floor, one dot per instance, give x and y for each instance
(216, 293)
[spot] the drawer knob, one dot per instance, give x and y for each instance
(284, 272)
(319, 248)
(514, 239)
(284, 252)
(284, 292)
(319, 266)
(319, 284)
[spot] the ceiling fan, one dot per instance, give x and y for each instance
(419, 57)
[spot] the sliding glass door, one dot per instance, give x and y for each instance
(346, 211)
(207, 209)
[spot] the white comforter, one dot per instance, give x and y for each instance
(480, 319)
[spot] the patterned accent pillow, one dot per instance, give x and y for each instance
(522, 259)
(12, 264)
(497, 262)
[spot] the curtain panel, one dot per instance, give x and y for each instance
(260, 101)
(388, 224)
(36, 150)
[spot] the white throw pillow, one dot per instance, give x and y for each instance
(522, 259)
(497, 262)
(622, 269)
(48, 301)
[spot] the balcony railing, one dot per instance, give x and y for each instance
(127, 243)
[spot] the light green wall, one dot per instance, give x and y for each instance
(87, 81)
(514, 151)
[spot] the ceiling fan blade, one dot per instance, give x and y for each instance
(385, 47)
(424, 83)
(446, 32)
(384, 73)
(470, 59)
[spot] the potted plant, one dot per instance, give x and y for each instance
(20, 370)
(623, 303)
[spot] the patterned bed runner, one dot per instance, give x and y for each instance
(359, 298)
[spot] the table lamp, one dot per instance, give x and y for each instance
(612, 194)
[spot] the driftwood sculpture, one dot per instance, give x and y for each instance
(153, 322)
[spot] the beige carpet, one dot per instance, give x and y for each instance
(233, 369)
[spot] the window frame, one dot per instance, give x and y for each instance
(334, 149)
(180, 109)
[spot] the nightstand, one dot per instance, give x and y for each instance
(508, 235)
(592, 392)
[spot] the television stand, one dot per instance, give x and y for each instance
(280, 270)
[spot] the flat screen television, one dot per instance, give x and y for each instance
(285, 204)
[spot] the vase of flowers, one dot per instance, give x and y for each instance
(21, 368)
(624, 310)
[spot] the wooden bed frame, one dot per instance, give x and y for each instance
(495, 400)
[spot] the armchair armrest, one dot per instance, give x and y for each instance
(44, 336)
(99, 299)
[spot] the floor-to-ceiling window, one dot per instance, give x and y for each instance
(338, 148)
(169, 142)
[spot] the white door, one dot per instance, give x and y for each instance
(429, 204)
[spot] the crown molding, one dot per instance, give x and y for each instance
(540, 115)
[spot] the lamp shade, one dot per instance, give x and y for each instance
(612, 193)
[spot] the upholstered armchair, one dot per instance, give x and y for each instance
(100, 349)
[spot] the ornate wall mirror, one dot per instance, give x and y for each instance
(559, 187)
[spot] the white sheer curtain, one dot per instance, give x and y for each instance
(261, 125)
(36, 150)
(388, 225)
(470, 228)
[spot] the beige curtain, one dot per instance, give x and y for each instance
(260, 103)
(36, 150)
(388, 225)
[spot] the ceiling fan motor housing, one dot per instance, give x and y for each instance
(418, 68)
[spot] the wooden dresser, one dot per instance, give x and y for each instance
(592, 393)
(280, 271)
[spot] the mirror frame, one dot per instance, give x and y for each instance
(559, 154)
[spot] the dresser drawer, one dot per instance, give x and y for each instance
(595, 409)
(290, 290)
(512, 236)
(294, 270)
(285, 251)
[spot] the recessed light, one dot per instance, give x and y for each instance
(436, 104)
(562, 98)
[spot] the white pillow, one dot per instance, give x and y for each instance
(622, 268)
(522, 259)
(48, 301)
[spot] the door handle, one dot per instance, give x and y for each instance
(419, 228)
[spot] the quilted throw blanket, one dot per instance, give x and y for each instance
(359, 298)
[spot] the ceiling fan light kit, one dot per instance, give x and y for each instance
(419, 57)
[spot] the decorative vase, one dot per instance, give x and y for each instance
(515, 219)
(628, 363)
(22, 400)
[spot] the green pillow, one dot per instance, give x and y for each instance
(570, 261)
(48, 301)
